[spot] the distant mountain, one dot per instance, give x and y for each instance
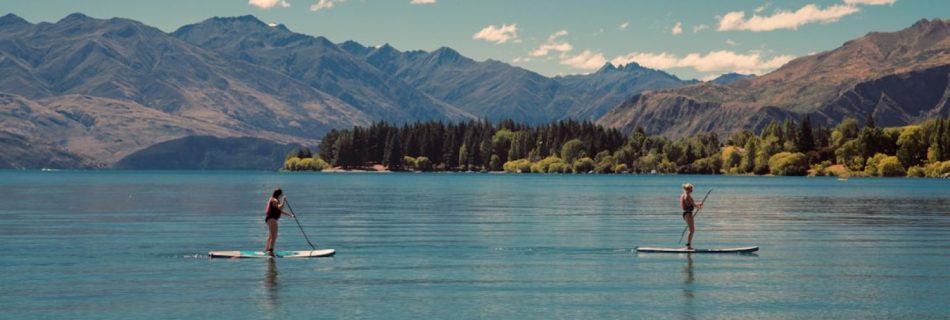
(320, 64)
(101, 89)
(496, 90)
(899, 77)
(598, 92)
(126, 60)
(209, 153)
(85, 92)
(728, 78)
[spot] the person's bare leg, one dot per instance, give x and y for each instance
(692, 230)
(271, 236)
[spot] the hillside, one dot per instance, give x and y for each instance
(209, 153)
(497, 91)
(100, 89)
(899, 77)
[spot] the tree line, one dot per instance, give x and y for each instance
(791, 147)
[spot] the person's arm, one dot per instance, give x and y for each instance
(280, 206)
(693, 201)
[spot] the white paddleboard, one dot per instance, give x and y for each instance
(278, 254)
(684, 250)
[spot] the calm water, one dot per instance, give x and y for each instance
(126, 245)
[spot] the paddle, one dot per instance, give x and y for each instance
(695, 214)
(298, 224)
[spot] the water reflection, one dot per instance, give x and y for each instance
(271, 288)
(688, 292)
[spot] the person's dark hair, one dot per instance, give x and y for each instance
(277, 193)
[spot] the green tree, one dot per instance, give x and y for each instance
(911, 147)
(872, 166)
(583, 165)
(939, 142)
(392, 152)
(495, 163)
(424, 164)
(501, 144)
(767, 147)
(571, 150)
(291, 163)
(518, 166)
(850, 155)
(344, 152)
(788, 164)
(327, 145)
(485, 151)
(748, 160)
(731, 158)
(710, 165)
(463, 157)
(806, 140)
(891, 167)
(740, 138)
(845, 131)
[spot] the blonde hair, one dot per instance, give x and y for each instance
(687, 186)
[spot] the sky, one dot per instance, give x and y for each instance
(692, 39)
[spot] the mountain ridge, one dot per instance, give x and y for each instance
(816, 85)
(234, 77)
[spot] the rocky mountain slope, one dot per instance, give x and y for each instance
(899, 77)
(497, 91)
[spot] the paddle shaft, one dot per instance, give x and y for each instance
(298, 224)
(695, 214)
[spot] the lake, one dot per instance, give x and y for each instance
(129, 245)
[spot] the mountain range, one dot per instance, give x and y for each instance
(96, 90)
(86, 92)
(898, 77)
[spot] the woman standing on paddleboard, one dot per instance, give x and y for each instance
(272, 213)
(688, 204)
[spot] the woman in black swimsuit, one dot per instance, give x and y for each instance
(272, 213)
(688, 205)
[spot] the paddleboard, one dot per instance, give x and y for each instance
(684, 250)
(278, 254)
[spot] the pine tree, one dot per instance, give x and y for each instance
(937, 146)
(805, 141)
(392, 152)
(343, 151)
(748, 160)
(326, 145)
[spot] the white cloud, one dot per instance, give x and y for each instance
(324, 4)
(624, 25)
(422, 2)
(267, 4)
(521, 59)
(552, 45)
(761, 8)
(585, 60)
(784, 19)
(870, 2)
(731, 42)
(498, 35)
(713, 61)
(678, 28)
(699, 28)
